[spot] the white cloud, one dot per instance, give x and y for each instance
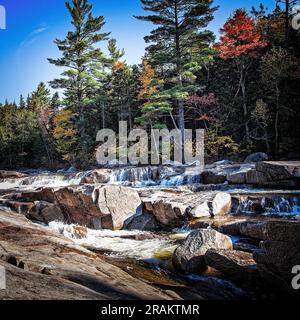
(31, 38)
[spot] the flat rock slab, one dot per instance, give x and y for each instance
(174, 210)
(238, 265)
(276, 230)
(52, 263)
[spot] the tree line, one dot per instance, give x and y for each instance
(241, 88)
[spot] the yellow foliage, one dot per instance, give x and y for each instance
(63, 125)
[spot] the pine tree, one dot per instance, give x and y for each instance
(177, 41)
(123, 93)
(154, 105)
(22, 103)
(114, 53)
(55, 102)
(79, 53)
(40, 104)
(64, 134)
(103, 73)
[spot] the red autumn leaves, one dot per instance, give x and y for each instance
(239, 37)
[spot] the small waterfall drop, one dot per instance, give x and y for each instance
(267, 205)
(155, 176)
(135, 176)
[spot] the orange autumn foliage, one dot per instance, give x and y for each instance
(118, 66)
(146, 79)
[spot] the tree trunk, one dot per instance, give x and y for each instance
(181, 122)
(244, 97)
(277, 120)
(103, 115)
(287, 22)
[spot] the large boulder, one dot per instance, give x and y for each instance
(168, 213)
(45, 212)
(221, 204)
(280, 174)
(145, 221)
(108, 206)
(118, 205)
(279, 249)
(256, 157)
(237, 265)
(275, 261)
(279, 170)
(279, 256)
(189, 256)
(78, 206)
(170, 207)
(173, 210)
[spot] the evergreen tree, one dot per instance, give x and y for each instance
(22, 103)
(40, 104)
(114, 53)
(55, 102)
(154, 105)
(79, 53)
(103, 73)
(178, 41)
(123, 93)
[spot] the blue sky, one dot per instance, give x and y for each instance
(32, 25)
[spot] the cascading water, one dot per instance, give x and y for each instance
(116, 243)
(136, 176)
(150, 176)
(156, 176)
(43, 180)
(280, 205)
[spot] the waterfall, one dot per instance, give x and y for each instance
(164, 176)
(135, 176)
(279, 205)
(155, 176)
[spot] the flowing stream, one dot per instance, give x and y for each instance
(154, 248)
(123, 243)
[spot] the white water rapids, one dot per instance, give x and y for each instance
(43, 180)
(129, 176)
(117, 243)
